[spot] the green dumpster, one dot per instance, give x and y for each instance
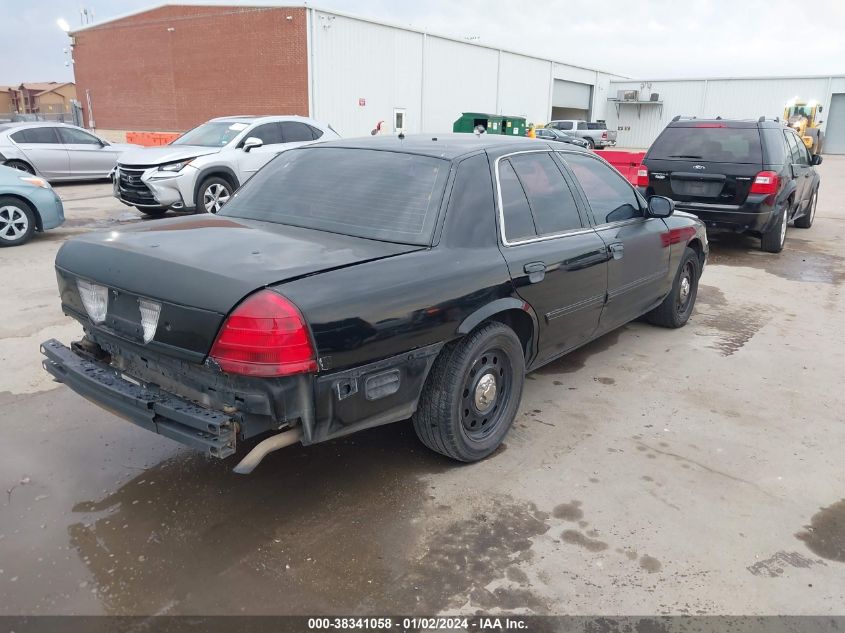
(492, 123)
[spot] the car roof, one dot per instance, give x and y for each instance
(448, 146)
(734, 123)
(266, 117)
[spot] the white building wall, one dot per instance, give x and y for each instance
(434, 78)
(459, 78)
(745, 98)
(525, 87)
(355, 59)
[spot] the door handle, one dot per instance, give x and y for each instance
(536, 271)
(617, 249)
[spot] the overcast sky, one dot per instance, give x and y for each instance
(638, 38)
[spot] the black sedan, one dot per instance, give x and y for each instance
(362, 282)
(551, 134)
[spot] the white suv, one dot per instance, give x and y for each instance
(201, 169)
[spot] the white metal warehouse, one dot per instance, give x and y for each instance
(361, 71)
(640, 109)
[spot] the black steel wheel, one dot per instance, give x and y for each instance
(486, 390)
(472, 394)
(676, 308)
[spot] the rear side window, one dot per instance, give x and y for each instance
(582, 125)
(597, 126)
(517, 214)
(775, 145)
(315, 133)
(711, 144)
(296, 132)
(610, 196)
(797, 149)
(549, 198)
(36, 135)
(380, 195)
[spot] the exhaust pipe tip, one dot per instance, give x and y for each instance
(264, 448)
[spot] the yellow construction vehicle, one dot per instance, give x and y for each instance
(803, 117)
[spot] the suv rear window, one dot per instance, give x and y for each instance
(711, 144)
(378, 195)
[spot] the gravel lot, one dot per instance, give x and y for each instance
(651, 472)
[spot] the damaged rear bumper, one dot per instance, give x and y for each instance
(206, 430)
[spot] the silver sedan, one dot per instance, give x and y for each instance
(57, 151)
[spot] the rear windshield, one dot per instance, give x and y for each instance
(379, 195)
(712, 144)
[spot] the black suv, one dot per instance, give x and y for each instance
(742, 175)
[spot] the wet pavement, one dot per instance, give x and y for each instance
(651, 472)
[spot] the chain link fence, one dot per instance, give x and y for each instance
(72, 115)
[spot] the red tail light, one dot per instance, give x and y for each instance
(766, 182)
(265, 336)
(642, 177)
(604, 135)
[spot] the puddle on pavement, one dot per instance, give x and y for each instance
(736, 325)
(316, 529)
(825, 536)
(577, 359)
(801, 260)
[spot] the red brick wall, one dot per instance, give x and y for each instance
(171, 68)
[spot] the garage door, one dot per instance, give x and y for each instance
(568, 94)
(834, 140)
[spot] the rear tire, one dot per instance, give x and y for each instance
(590, 143)
(806, 221)
(154, 212)
(17, 221)
(20, 166)
(773, 240)
(472, 394)
(677, 307)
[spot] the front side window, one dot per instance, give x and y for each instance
(269, 133)
(72, 136)
(609, 195)
(379, 195)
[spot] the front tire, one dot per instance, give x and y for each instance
(806, 221)
(472, 394)
(213, 193)
(773, 240)
(677, 307)
(17, 221)
(20, 166)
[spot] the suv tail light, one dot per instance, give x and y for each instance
(766, 182)
(265, 336)
(642, 176)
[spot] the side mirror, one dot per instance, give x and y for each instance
(251, 143)
(817, 159)
(660, 207)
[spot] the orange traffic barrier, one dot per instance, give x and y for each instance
(149, 139)
(626, 163)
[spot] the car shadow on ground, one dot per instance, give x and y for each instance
(308, 517)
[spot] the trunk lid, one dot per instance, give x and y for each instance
(199, 268)
(710, 163)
